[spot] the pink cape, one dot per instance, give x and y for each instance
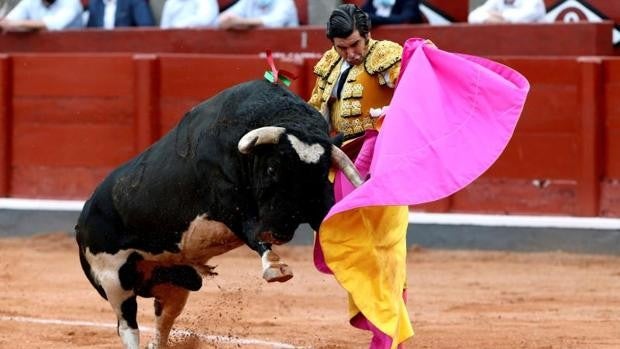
(450, 118)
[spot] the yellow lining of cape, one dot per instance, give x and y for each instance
(366, 250)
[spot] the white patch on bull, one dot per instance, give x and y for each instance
(104, 269)
(309, 154)
(269, 259)
(274, 269)
(129, 337)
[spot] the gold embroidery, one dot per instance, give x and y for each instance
(382, 55)
(355, 126)
(381, 79)
(357, 90)
(366, 85)
(346, 91)
(332, 77)
(352, 90)
(325, 95)
(393, 72)
(351, 107)
(327, 63)
(353, 73)
(313, 100)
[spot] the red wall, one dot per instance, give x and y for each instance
(67, 118)
(63, 129)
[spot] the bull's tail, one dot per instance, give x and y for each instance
(87, 270)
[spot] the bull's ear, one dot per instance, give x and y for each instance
(338, 139)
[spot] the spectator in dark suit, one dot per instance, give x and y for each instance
(393, 11)
(111, 14)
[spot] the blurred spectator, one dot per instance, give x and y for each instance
(393, 11)
(6, 6)
(111, 14)
(508, 11)
(248, 14)
(189, 13)
(157, 7)
(43, 14)
(319, 10)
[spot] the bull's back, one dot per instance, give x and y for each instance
(155, 195)
(150, 200)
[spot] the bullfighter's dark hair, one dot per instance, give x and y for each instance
(345, 19)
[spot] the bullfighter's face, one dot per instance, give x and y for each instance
(352, 49)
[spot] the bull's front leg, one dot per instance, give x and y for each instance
(273, 267)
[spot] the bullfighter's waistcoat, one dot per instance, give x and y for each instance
(368, 86)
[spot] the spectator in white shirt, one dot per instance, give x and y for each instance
(508, 11)
(44, 14)
(248, 14)
(189, 14)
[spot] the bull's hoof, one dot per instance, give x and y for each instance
(279, 273)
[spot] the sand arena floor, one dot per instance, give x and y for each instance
(457, 299)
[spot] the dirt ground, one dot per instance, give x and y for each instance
(457, 299)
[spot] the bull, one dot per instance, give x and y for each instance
(246, 166)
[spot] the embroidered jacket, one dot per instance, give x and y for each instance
(368, 86)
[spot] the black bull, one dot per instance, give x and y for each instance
(246, 166)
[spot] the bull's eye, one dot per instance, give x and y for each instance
(271, 171)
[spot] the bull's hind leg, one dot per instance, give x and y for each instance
(127, 324)
(124, 304)
(114, 274)
(169, 302)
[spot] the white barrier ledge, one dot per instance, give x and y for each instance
(490, 220)
(597, 223)
(41, 205)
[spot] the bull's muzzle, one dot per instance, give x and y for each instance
(269, 237)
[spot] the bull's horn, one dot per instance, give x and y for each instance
(262, 135)
(346, 165)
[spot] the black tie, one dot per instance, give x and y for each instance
(341, 81)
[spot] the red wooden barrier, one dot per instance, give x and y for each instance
(72, 122)
(188, 79)
(68, 125)
(610, 196)
(591, 136)
(146, 106)
(6, 126)
(611, 109)
(78, 116)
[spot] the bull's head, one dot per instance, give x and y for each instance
(290, 180)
